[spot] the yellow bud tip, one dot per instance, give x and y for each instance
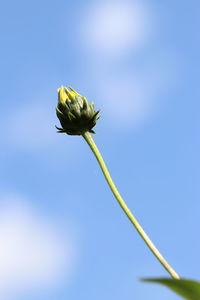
(70, 93)
(62, 94)
(69, 87)
(66, 93)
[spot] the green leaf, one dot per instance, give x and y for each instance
(188, 289)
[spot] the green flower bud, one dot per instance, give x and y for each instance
(75, 113)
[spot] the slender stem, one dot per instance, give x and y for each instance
(126, 210)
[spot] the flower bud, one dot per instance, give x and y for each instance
(75, 113)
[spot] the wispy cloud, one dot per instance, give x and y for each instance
(114, 33)
(112, 27)
(33, 253)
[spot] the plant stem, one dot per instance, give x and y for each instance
(125, 208)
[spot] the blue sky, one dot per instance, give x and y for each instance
(62, 234)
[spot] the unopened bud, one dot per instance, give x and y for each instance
(75, 113)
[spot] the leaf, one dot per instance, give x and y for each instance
(188, 289)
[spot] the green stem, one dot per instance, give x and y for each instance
(126, 210)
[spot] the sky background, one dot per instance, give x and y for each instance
(62, 233)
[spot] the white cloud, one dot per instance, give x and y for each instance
(34, 255)
(111, 27)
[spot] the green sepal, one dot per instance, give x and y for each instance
(71, 115)
(60, 130)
